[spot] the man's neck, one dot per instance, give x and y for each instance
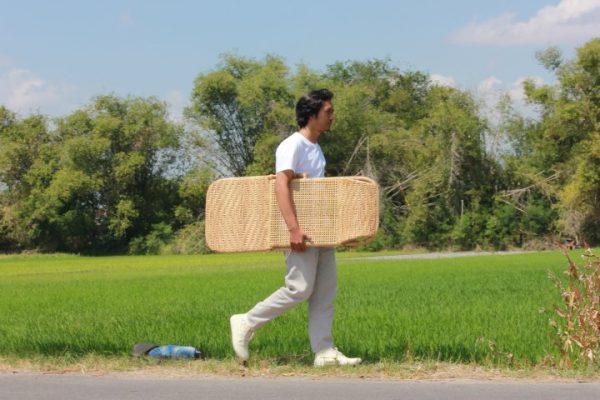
(311, 134)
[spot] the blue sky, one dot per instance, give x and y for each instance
(56, 55)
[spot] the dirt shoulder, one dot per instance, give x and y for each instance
(177, 369)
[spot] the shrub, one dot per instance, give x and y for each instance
(153, 242)
(502, 227)
(467, 232)
(189, 240)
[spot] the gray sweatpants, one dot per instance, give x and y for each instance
(311, 275)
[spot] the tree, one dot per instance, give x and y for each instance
(560, 150)
(28, 159)
(240, 103)
(99, 179)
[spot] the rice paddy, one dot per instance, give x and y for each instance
(483, 310)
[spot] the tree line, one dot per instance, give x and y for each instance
(119, 176)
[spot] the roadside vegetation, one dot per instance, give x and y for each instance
(485, 312)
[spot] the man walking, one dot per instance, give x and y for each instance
(311, 271)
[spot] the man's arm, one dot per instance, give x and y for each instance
(286, 206)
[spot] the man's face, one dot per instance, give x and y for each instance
(324, 118)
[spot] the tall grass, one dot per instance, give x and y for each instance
(577, 319)
(472, 309)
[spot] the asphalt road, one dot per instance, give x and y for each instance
(26, 386)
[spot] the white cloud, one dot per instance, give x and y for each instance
(488, 85)
(569, 22)
(491, 90)
(24, 92)
(442, 80)
(516, 91)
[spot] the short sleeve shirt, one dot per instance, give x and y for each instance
(300, 155)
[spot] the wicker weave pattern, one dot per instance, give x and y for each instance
(242, 213)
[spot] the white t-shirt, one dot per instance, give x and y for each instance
(301, 156)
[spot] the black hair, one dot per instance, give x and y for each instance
(310, 104)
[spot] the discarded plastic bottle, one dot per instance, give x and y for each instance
(173, 351)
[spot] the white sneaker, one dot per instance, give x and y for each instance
(334, 357)
(241, 335)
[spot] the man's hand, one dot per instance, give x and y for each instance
(298, 239)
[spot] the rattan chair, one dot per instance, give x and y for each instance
(242, 213)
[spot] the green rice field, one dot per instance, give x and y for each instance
(483, 309)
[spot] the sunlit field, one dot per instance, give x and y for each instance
(483, 309)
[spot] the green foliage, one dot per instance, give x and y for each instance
(160, 235)
(264, 156)
(188, 240)
(239, 103)
(108, 173)
(428, 225)
(561, 148)
(192, 191)
(96, 180)
(549, 58)
(501, 228)
(539, 218)
(28, 160)
(469, 230)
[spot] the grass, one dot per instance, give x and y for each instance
(479, 311)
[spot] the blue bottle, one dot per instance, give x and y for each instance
(173, 351)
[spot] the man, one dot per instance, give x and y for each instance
(311, 271)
